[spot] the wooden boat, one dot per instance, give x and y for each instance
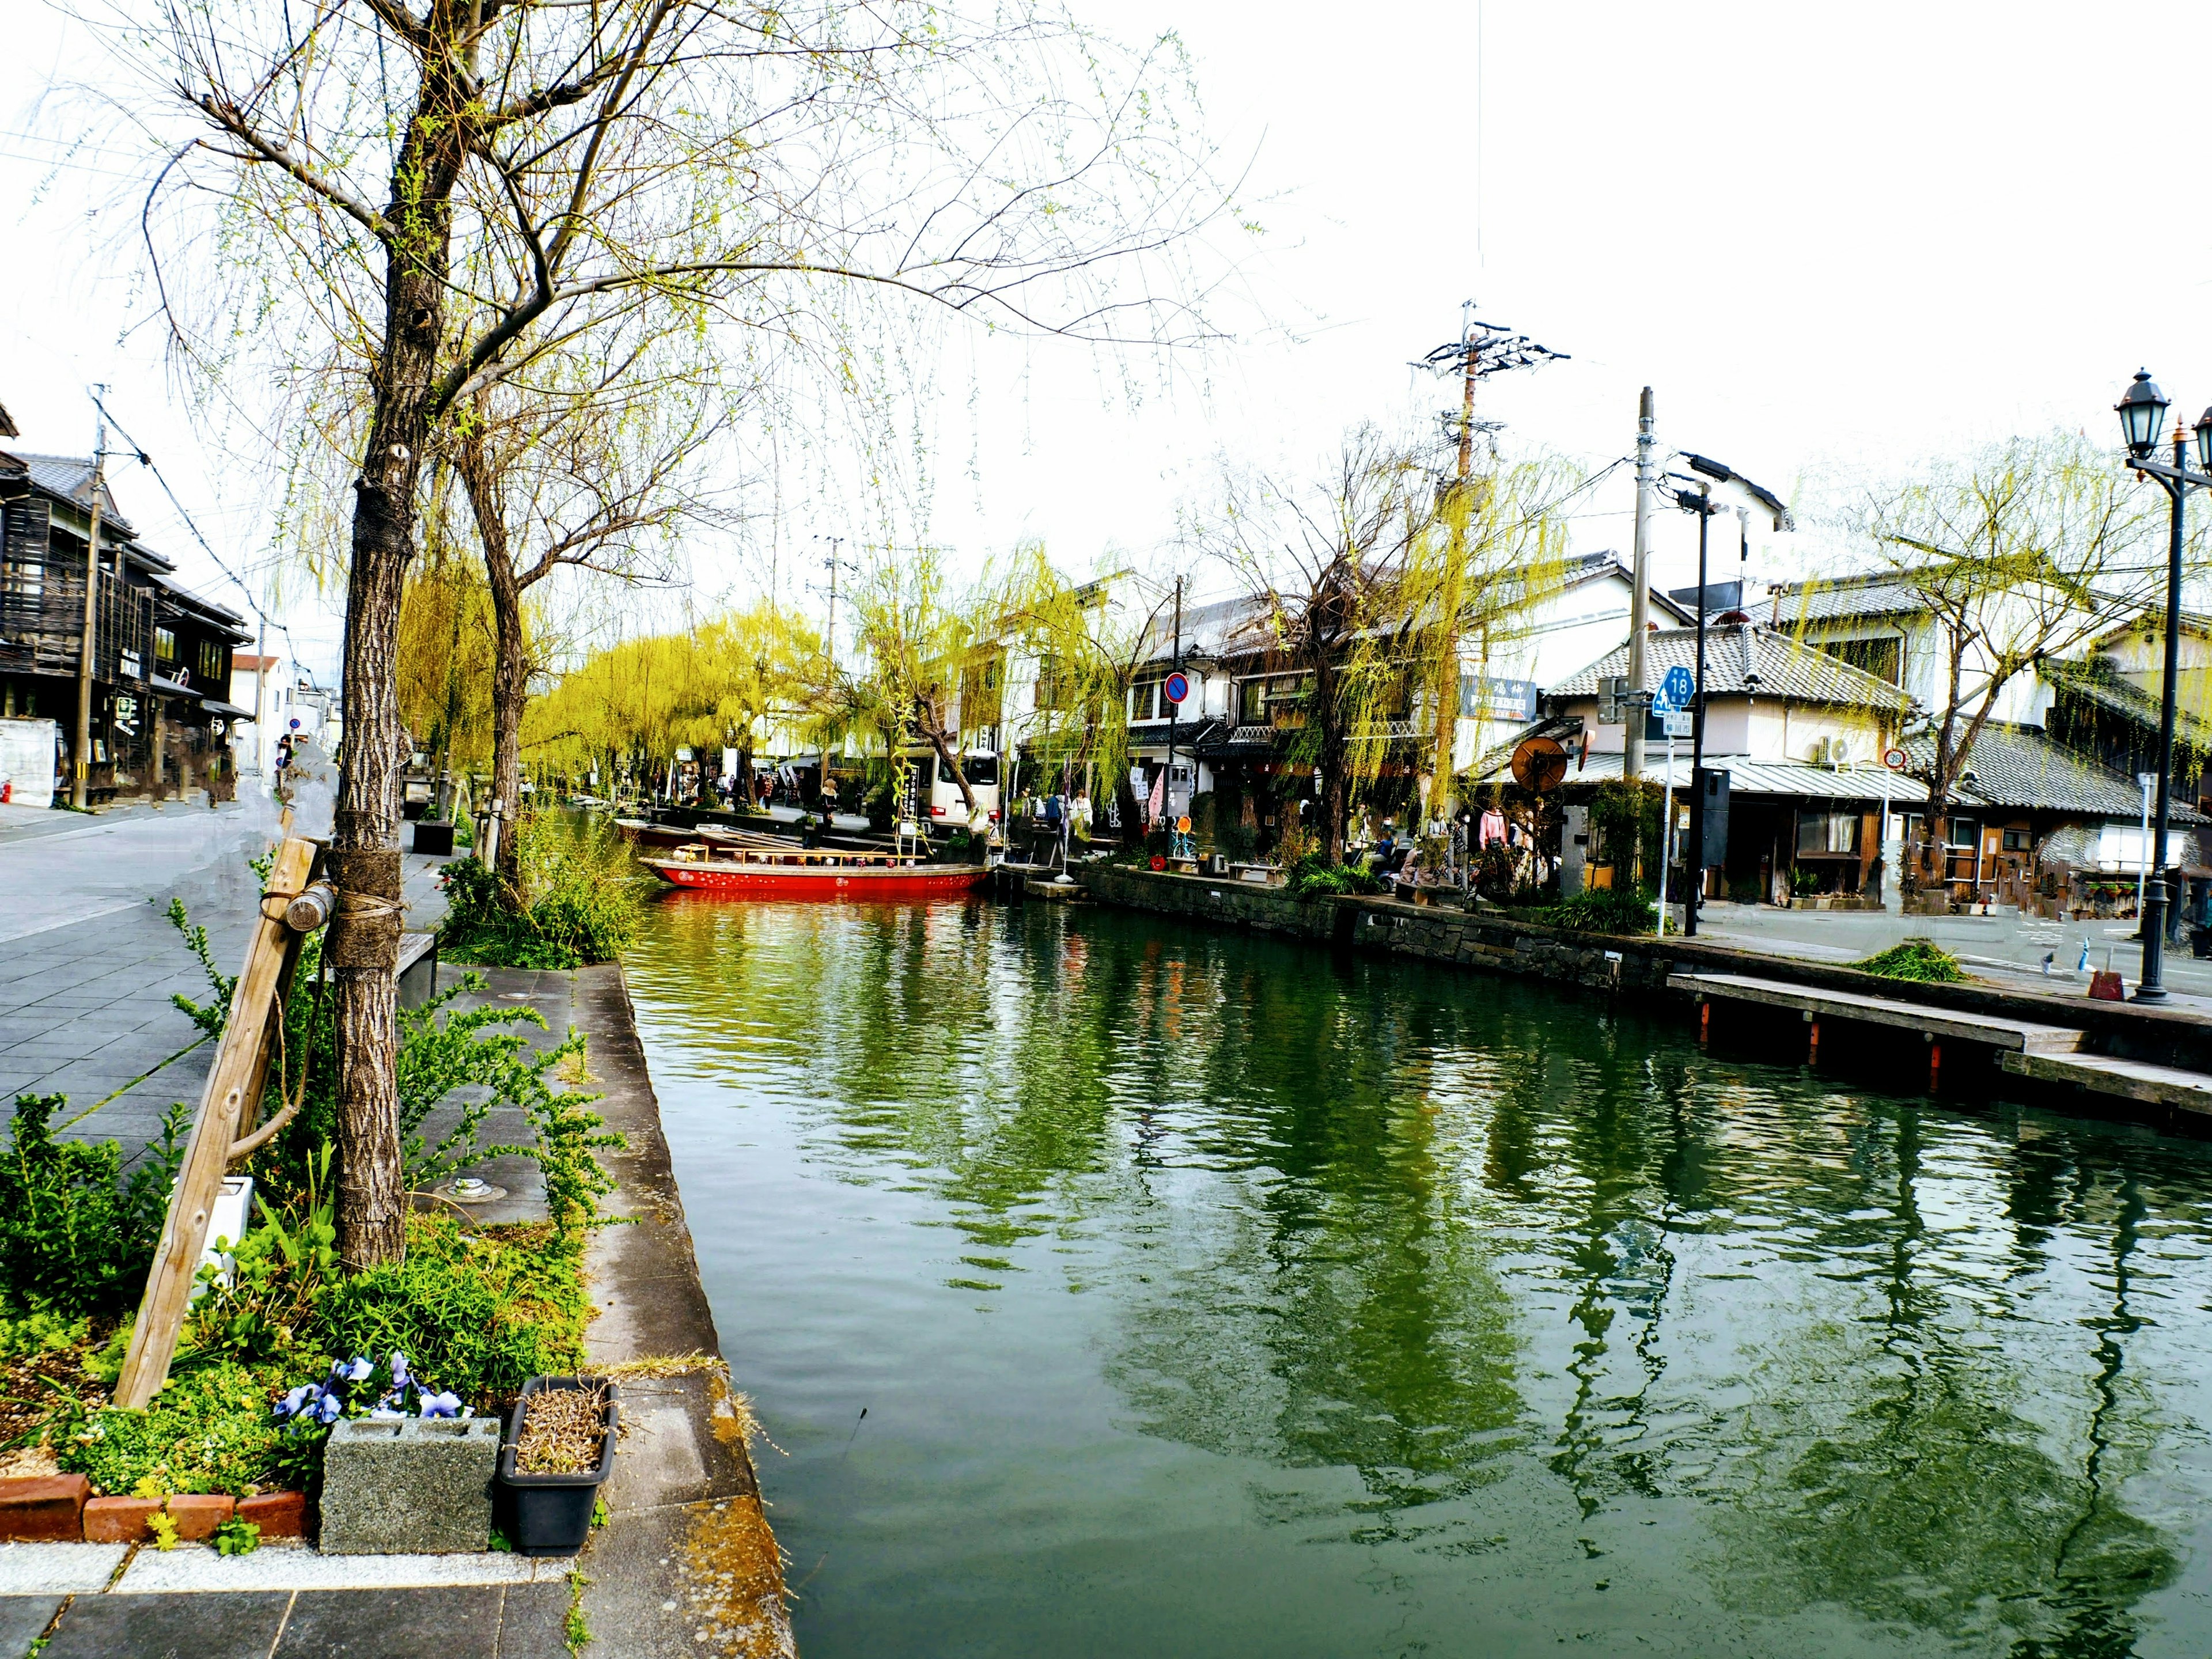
(663, 837)
(761, 872)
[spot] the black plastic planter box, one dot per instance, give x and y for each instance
(551, 1514)
(432, 836)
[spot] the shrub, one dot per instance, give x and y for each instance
(1627, 814)
(1915, 958)
(578, 900)
(210, 1429)
(1312, 877)
(76, 1234)
(1604, 911)
(481, 1314)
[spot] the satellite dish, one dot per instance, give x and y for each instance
(1539, 764)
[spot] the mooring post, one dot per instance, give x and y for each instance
(1813, 1046)
(1934, 1064)
(1704, 1022)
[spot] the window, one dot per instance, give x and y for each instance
(165, 645)
(1251, 701)
(981, 771)
(2016, 841)
(212, 665)
(1827, 832)
(1144, 701)
(1881, 657)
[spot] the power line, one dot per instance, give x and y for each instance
(147, 461)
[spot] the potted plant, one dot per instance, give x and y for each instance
(560, 1448)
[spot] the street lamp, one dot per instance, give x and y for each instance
(2142, 410)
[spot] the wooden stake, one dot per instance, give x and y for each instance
(1812, 1048)
(1705, 1024)
(1935, 1065)
(240, 1064)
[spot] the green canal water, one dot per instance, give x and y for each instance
(1207, 1295)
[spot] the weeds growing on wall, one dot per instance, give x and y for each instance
(1313, 877)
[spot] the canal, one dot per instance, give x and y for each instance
(1111, 1288)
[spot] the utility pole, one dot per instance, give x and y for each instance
(832, 562)
(79, 793)
(1175, 709)
(1639, 600)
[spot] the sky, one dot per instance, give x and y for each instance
(1838, 242)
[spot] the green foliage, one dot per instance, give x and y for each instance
(42, 1332)
(440, 1051)
(480, 1313)
(278, 1267)
(1239, 842)
(1313, 877)
(209, 1430)
(210, 1016)
(76, 1234)
(1604, 911)
(1915, 958)
(1804, 881)
(578, 901)
(237, 1537)
(1627, 816)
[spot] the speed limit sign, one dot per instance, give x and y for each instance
(1895, 759)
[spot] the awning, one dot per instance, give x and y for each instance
(229, 710)
(171, 688)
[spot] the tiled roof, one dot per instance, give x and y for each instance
(2099, 685)
(1745, 777)
(70, 477)
(1786, 667)
(2018, 766)
(1851, 595)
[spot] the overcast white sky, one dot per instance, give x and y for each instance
(1835, 239)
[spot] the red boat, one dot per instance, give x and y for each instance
(754, 873)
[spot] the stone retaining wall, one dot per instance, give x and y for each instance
(1639, 966)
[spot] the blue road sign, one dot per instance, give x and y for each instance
(1676, 691)
(1176, 689)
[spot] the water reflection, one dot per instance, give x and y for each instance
(1493, 1281)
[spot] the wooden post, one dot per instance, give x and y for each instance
(1813, 1046)
(1935, 1065)
(1704, 1022)
(240, 1066)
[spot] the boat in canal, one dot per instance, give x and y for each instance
(785, 873)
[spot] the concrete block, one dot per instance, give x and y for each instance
(43, 1507)
(414, 1486)
(278, 1514)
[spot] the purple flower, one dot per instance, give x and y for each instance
(400, 1379)
(359, 1369)
(442, 1405)
(326, 1409)
(291, 1404)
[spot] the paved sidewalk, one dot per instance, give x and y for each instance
(2004, 949)
(88, 962)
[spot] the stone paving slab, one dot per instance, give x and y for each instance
(57, 1569)
(24, 1621)
(520, 1621)
(295, 1567)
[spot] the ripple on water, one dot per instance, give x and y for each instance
(1261, 1300)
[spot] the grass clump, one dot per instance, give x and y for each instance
(576, 902)
(1915, 958)
(1603, 911)
(1311, 876)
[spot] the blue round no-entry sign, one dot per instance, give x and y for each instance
(1676, 691)
(1176, 689)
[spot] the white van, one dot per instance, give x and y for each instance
(937, 797)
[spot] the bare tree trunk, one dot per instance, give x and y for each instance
(363, 951)
(510, 678)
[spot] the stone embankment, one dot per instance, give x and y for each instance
(2154, 1063)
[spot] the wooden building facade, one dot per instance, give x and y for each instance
(161, 655)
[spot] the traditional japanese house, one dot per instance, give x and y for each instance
(160, 668)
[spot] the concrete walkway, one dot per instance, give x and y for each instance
(89, 961)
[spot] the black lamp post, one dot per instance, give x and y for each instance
(1693, 863)
(2142, 410)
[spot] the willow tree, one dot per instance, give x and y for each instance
(1087, 640)
(1342, 570)
(571, 162)
(749, 669)
(2026, 551)
(446, 658)
(579, 462)
(915, 630)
